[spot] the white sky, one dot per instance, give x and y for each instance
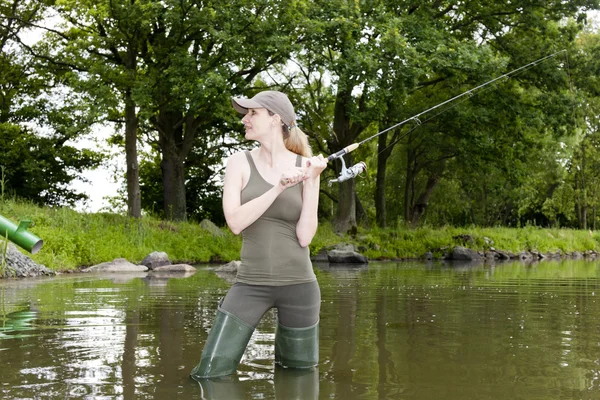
(102, 185)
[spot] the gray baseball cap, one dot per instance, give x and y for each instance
(272, 100)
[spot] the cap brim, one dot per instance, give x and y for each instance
(242, 105)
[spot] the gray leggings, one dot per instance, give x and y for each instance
(298, 306)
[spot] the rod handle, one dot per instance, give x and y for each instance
(343, 151)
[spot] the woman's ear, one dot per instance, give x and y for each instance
(276, 119)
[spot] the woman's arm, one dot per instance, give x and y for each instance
(240, 216)
(306, 228)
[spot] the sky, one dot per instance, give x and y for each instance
(101, 185)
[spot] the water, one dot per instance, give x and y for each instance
(389, 331)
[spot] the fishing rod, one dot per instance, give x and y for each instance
(360, 167)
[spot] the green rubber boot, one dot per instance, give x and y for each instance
(224, 346)
(297, 347)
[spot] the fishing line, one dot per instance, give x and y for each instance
(419, 123)
(470, 91)
(348, 173)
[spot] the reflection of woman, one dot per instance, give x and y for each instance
(270, 195)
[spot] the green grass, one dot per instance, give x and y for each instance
(73, 240)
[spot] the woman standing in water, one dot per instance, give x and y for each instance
(271, 196)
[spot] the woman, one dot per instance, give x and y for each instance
(270, 195)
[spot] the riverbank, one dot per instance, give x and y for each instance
(74, 240)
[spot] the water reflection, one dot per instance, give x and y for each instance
(388, 331)
(288, 384)
(16, 324)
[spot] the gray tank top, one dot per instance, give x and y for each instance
(271, 254)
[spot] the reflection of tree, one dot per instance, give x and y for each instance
(170, 347)
(128, 366)
(344, 346)
(383, 354)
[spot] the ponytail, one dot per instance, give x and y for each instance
(296, 141)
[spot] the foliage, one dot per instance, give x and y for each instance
(171, 67)
(73, 240)
(522, 151)
(203, 189)
(38, 117)
(42, 168)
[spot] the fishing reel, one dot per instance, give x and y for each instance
(349, 173)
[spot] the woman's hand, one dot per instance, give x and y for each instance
(314, 166)
(292, 177)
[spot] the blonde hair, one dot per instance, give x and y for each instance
(296, 141)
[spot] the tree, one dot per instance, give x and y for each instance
(507, 120)
(37, 117)
(197, 56)
(169, 69)
(96, 48)
(359, 46)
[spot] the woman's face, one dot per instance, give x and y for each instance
(258, 123)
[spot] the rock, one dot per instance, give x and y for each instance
(18, 265)
(427, 255)
(346, 257)
(576, 255)
(321, 256)
(590, 254)
(211, 227)
(462, 253)
(117, 265)
(156, 259)
(345, 253)
(229, 267)
(502, 255)
(525, 256)
(228, 272)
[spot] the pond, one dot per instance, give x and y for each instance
(388, 331)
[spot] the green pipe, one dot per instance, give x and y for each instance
(19, 235)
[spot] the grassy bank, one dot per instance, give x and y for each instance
(73, 240)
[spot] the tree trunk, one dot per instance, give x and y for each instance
(345, 218)
(583, 187)
(382, 158)
(173, 176)
(346, 133)
(134, 197)
(176, 135)
(361, 213)
(411, 172)
(421, 204)
(173, 184)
